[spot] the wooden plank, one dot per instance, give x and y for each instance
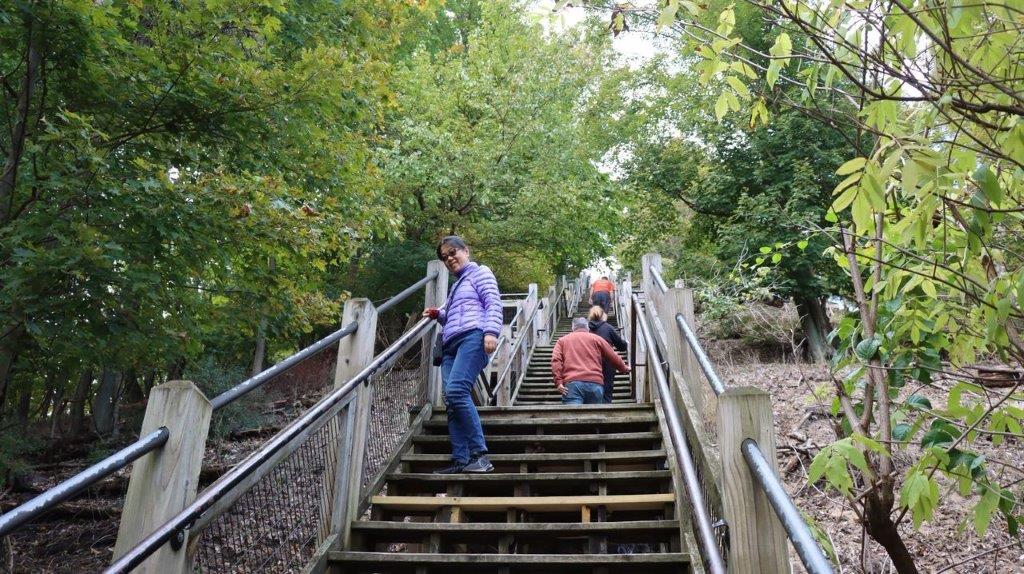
(576, 419)
(581, 477)
(757, 541)
(548, 456)
(184, 410)
(680, 558)
(521, 527)
(530, 503)
(516, 410)
(554, 438)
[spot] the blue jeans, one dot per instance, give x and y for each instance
(602, 298)
(462, 361)
(583, 393)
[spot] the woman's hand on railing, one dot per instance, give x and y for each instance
(431, 312)
(490, 343)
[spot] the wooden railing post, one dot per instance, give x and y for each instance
(354, 353)
(532, 301)
(435, 295)
(757, 541)
(164, 482)
(545, 324)
(501, 359)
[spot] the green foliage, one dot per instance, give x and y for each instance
(497, 138)
(213, 379)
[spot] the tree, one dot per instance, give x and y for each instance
(160, 157)
(497, 136)
(926, 226)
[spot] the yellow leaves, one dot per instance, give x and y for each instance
(739, 86)
(780, 51)
(759, 110)
(726, 21)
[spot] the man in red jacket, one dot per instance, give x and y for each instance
(576, 365)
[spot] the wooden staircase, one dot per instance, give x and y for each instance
(578, 489)
(538, 388)
(574, 490)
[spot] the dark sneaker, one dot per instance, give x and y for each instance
(479, 464)
(455, 468)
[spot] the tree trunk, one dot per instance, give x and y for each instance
(816, 327)
(883, 530)
(19, 133)
(10, 345)
(104, 404)
(24, 407)
(261, 348)
(133, 391)
(78, 403)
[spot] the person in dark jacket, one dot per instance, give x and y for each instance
(600, 327)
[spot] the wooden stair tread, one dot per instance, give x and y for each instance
(547, 456)
(552, 527)
(534, 438)
(567, 559)
(518, 410)
(530, 503)
(530, 476)
(570, 419)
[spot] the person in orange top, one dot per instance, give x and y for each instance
(576, 364)
(601, 293)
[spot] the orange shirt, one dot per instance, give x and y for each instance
(602, 286)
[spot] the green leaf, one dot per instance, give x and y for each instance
(866, 349)
(739, 86)
(918, 402)
(989, 184)
(776, 257)
(721, 106)
(765, 249)
(855, 164)
(802, 244)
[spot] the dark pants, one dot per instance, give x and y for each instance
(609, 380)
(463, 360)
(602, 298)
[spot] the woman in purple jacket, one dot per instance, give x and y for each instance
(472, 320)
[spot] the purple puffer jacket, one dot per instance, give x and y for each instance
(475, 304)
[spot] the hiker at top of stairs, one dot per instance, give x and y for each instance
(576, 365)
(601, 293)
(600, 327)
(472, 318)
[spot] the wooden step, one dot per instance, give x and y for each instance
(613, 410)
(549, 443)
(649, 563)
(624, 455)
(528, 503)
(554, 528)
(558, 423)
(535, 483)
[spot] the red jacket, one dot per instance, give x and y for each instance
(602, 285)
(577, 357)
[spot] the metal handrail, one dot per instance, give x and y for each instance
(705, 531)
(658, 280)
(797, 531)
(31, 509)
(206, 499)
(258, 380)
(702, 358)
